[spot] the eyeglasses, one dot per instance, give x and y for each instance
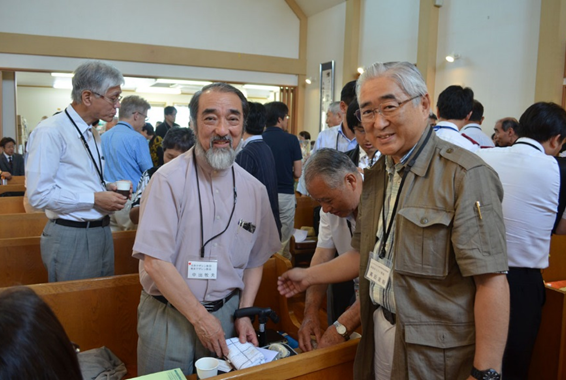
(387, 108)
(112, 101)
(145, 116)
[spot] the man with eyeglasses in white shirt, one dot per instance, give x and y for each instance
(65, 177)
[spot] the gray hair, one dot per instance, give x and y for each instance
(219, 87)
(334, 107)
(332, 165)
(404, 74)
(96, 76)
(132, 104)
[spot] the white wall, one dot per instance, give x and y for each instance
(266, 27)
(389, 31)
(498, 42)
(325, 42)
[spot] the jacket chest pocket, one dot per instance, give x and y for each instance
(423, 242)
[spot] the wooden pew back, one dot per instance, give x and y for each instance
(22, 225)
(268, 296)
(304, 211)
(21, 264)
(9, 188)
(12, 205)
(556, 270)
(17, 180)
(98, 312)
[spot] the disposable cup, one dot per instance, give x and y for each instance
(206, 367)
(123, 187)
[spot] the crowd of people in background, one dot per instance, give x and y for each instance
(427, 223)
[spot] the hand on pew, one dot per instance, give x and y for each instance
(246, 331)
(293, 282)
(309, 327)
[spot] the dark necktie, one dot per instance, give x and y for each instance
(11, 164)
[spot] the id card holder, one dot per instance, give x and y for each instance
(202, 269)
(377, 273)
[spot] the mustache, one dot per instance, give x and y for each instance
(221, 139)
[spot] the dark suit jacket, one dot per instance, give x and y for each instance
(17, 162)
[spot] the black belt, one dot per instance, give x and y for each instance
(391, 318)
(71, 223)
(211, 306)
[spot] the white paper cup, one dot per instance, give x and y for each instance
(123, 185)
(206, 367)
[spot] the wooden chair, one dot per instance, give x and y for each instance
(18, 188)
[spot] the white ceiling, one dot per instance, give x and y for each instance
(312, 7)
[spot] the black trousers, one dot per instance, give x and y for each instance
(527, 299)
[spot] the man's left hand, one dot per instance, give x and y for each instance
(245, 331)
(330, 338)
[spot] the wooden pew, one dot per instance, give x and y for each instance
(12, 205)
(304, 211)
(331, 363)
(17, 180)
(21, 264)
(556, 270)
(549, 354)
(9, 188)
(98, 312)
(22, 225)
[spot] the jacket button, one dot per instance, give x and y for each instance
(449, 150)
(424, 221)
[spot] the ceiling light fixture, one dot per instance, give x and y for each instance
(183, 82)
(63, 75)
(308, 80)
(452, 57)
(261, 87)
(360, 70)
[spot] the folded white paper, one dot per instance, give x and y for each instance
(243, 355)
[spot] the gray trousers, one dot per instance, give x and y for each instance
(167, 340)
(287, 205)
(71, 253)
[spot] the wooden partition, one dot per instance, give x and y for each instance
(98, 312)
(331, 363)
(21, 264)
(22, 225)
(12, 205)
(304, 211)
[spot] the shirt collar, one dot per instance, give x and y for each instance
(532, 142)
(341, 132)
(81, 124)
(250, 139)
(126, 124)
(471, 125)
(5, 155)
(446, 125)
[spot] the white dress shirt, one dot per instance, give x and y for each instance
(449, 132)
(531, 184)
(475, 132)
(334, 138)
(61, 176)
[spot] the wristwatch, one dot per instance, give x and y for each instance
(488, 374)
(342, 330)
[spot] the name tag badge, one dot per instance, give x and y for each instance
(378, 273)
(202, 270)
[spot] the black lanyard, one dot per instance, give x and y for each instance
(337, 138)
(200, 207)
(97, 167)
(529, 144)
(387, 231)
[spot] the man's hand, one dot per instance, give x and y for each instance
(210, 333)
(293, 282)
(245, 331)
(6, 175)
(330, 338)
(109, 200)
(310, 326)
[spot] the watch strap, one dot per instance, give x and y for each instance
(338, 326)
(488, 374)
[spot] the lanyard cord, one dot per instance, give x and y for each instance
(200, 207)
(98, 169)
(387, 231)
(526, 143)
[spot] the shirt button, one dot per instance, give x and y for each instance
(215, 245)
(449, 150)
(217, 217)
(216, 191)
(424, 221)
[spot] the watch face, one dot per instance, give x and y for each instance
(491, 375)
